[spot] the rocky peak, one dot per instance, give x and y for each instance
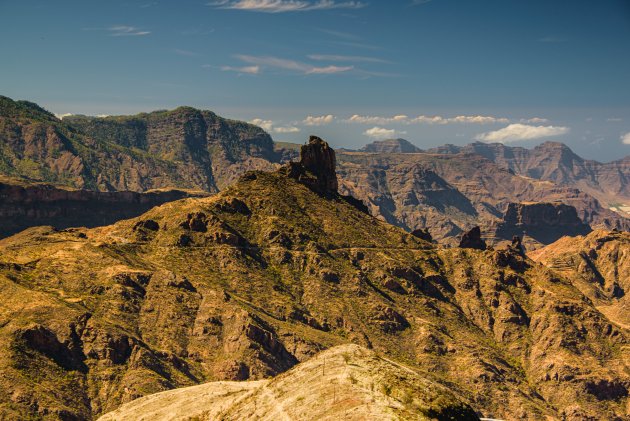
(317, 166)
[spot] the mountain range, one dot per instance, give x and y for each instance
(446, 190)
(260, 278)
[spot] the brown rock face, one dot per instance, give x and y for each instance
(601, 262)
(448, 191)
(544, 222)
(555, 162)
(319, 159)
(472, 240)
(24, 205)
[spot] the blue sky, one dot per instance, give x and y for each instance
(434, 72)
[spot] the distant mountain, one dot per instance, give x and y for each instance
(451, 192)
(182, 148)
(391, 146)
(556, 162)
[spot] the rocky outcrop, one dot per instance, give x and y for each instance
(545, 222)
(316, 167)
(472, 240)
(517, 245)
(319, 158)
(182, 148)
(601, 261)
(445, 190)
(391, 146)
(449, 192)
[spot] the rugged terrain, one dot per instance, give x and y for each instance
(250, 282)
(182, 148)
(599, 265)
(555, 162)
(449, 193)
(346, 382)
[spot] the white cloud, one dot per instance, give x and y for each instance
(250, 70)
(288, 129)
(614, 120)
(280, 6)
(625, 139)
(296, 66)
(268, 126)
(328, 70)
(381, 133)
(61, 116)
(422, 119)
(265, 124)
(516, 132)
(319, 120)
(355, 59)
(126, 31)
(366, 119)
(476, 119)
(534, 120)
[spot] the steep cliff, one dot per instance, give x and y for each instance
(24, 205)
(182, 148)
(450, 193)
(545, 222)
(447, 191)
(599, 264)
